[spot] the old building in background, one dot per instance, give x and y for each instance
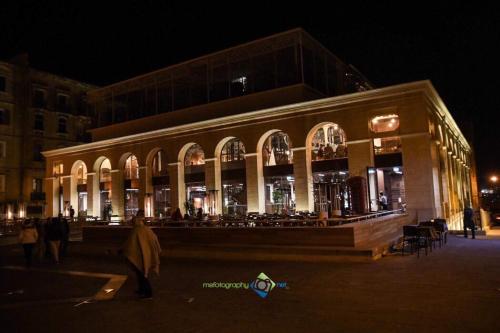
(38, 111)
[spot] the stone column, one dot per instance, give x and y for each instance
(213, 180)
(255, 183)
(93, 193)
(66, 194)
(360, 157)
(117, 194)
(418, 177)
(302, 172)
(52, 196)
(143, 190)
(177, 186)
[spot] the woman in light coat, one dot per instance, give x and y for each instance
(28, 237)
(142, 251)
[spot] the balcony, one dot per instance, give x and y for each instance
(37, 196)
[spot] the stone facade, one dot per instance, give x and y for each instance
(38, 111)
(435, 156)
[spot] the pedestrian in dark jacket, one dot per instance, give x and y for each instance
(54, 235)
(469, 222)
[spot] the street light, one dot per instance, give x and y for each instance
(493, 179)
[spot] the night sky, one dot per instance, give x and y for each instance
(452, 45)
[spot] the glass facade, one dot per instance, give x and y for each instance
(194, 178)
(234, 195)
(267, 64)
(280, 195)
(131, 176)
(331, 193)
(161, 186)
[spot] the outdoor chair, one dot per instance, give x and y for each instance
(442, 227)
(411, 236)
(436, 235)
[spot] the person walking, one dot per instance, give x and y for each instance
(28, 237)
(54, 235)
(469, 222)
(142, 251)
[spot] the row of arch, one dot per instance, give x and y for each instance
(325, 141)
(328, 142)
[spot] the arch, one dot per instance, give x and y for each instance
(262, 142)
(220, 147)
(325, 141)
(232, 196)
(98, 163)
(131, 167)
(221, 144)
(75, 172)
(123, 160)
(195, 154)
(336, 138)
(76, 165)
(78, 192)
(151, 155)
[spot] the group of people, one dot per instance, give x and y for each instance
(48, 237)
(177, 215)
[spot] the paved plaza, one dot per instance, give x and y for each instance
(453, 289)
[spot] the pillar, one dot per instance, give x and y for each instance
(66, 183)
(117, 194)
(302, 172)
(256, 200)
(177, 186)
(418, 177)
(143, 193)
(93, 195)
(52, 196)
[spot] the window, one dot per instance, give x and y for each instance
(62, 103)
(61, 127)
(37, 185)
(277, 150)
(3, 149)
(4, 117)
(385, 123)
(3, 86)
(2, 183)
(234, 150)
(194, 156)
(39, 99)
(38, 122)
(131, 168)
(37, 152)
(58, 168)
(387, 145)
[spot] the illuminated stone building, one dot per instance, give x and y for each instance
(38, 111)
(277, 125)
